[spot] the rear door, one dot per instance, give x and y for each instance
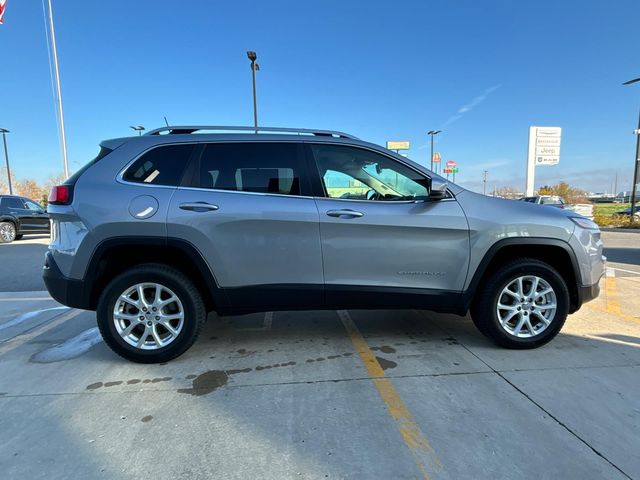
(249, 211)
(381, 234)
(39, 218)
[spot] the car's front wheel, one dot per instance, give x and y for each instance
(150, 313)
(7, 232)
(523, 304)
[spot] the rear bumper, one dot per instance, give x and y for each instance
(67, 291)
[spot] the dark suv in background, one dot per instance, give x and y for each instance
(21, 216)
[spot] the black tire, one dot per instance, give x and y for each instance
(190, 297)
(18, 237)
(485, 316)
(7, 232)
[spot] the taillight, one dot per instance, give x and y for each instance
(60, 195)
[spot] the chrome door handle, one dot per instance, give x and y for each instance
(199, 206)
(345, 213)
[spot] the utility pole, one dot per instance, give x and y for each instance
(484, 182)
(254, 66)
(636, 163)
(63, 137)
(6, 158)
(432, 133)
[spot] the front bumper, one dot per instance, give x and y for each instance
(589, 292)
(67, 291)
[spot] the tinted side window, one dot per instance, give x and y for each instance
(9, 202)
(33, 206)
(252, 167)
(359, 174)
(160, 166)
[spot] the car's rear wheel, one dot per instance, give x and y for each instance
(523, 304)
(7, 232)
(151, 313)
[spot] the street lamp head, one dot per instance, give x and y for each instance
(434, 132)
(252, 56)
(4, 130)
(631, 81)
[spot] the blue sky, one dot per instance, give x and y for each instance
(481, 71)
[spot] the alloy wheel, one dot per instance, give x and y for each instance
(526, 306)
(148, 316)
(7, 232)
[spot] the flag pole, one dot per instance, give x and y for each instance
(63, 137)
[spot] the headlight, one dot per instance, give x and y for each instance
(585, 223)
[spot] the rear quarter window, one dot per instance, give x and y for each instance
(12, 202)
(162, 165)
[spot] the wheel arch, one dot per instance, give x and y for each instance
(113, 256)
(555, 252)
(7, 218)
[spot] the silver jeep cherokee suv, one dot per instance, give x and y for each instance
(158, 230)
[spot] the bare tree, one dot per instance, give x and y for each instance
(508, 192)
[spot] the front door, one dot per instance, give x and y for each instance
(381, 234)
(249, 211)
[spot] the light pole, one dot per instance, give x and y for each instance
(432, 133)
(138, 129)
(254, 66)
(63, 136)
(6, 158)
(636, 164)
(484, 181)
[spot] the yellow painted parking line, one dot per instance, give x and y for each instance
(624, 316)
(422, 451)
(611, 292)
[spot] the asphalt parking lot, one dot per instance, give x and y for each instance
(314, 395)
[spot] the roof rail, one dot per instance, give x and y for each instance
(187, 129)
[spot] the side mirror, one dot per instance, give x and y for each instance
(438, 189)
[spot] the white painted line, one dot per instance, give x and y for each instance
(20, 340)
(266, 325)
(71, 348)
(623, 270)
(26, 316)
(268, 320)
(25, 299)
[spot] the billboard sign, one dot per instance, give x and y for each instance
(437, 158)
(544, 143)
(402, 145)
(544, 151)
(451, 163)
